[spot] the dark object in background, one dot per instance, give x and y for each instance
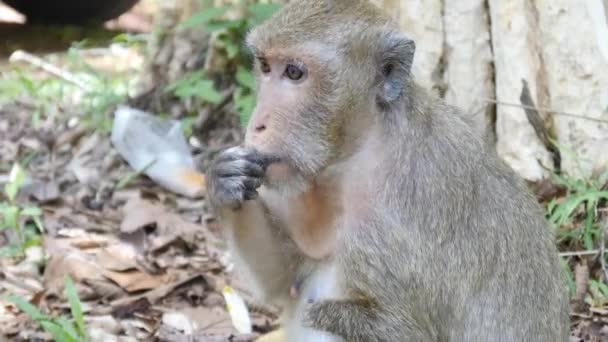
(70, 11)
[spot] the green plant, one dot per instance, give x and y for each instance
(230, 34)
(22, 83)
(577, 222)
(102, 91)
(579, 209)
(23, 220)
(94, 94)
(197, 85)
(61, 328)
(598, 294)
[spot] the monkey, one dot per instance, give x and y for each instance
(377, 202)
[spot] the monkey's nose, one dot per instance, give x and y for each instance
(259, 128)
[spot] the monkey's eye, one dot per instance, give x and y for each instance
(294, 72)
(264, 66)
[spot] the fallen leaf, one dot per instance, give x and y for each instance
(162, 243)
(128, 309)
(118, 257)
(173, 224)
(42, 192)
(157, 294)
(104, 289)
(76, 264)
(136, 280)
(138, 214)
(139, 329)
(100, 335)
(106, 323)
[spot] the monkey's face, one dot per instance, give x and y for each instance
(326, 70)
(296, 116)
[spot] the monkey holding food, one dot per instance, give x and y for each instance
(377, 201)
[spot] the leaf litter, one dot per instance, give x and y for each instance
(146, 264)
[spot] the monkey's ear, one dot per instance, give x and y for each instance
(395, 66)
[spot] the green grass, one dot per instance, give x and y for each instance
(62, 328)
(579, 228)
(49, 95)
(23, 219)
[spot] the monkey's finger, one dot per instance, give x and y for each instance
(250, 195)
(239, 167)
(262, 159)
(252, 183)
(233, 153)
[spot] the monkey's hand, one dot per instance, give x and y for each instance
(235, 175)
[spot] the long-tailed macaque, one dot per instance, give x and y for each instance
(378, 203)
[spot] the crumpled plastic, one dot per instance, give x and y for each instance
(158, 148)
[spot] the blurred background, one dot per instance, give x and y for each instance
(110, 109)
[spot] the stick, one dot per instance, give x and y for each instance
(603, 246)
(22, 56)
(578, 116)
(582, 253)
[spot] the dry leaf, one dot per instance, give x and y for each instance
(43, 192)
(107, 323)
(118, 257)
(76, 264)
(136, 280)
(138, 214)
(83, 239)
(104, 289)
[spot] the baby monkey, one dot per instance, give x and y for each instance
(377, 201)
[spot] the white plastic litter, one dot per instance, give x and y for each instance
(159, 148)
(238, 310)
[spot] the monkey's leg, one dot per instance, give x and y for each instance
(354, 319)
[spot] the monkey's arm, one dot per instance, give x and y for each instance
(265, 252)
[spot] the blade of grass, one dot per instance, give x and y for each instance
(68, 328)
(27, 308)
(133, 175)
(75, 307)
(59, 335)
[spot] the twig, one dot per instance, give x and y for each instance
(604, 223)
(577, 116)
(581, 280)
(22, 56)
(582, 253)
